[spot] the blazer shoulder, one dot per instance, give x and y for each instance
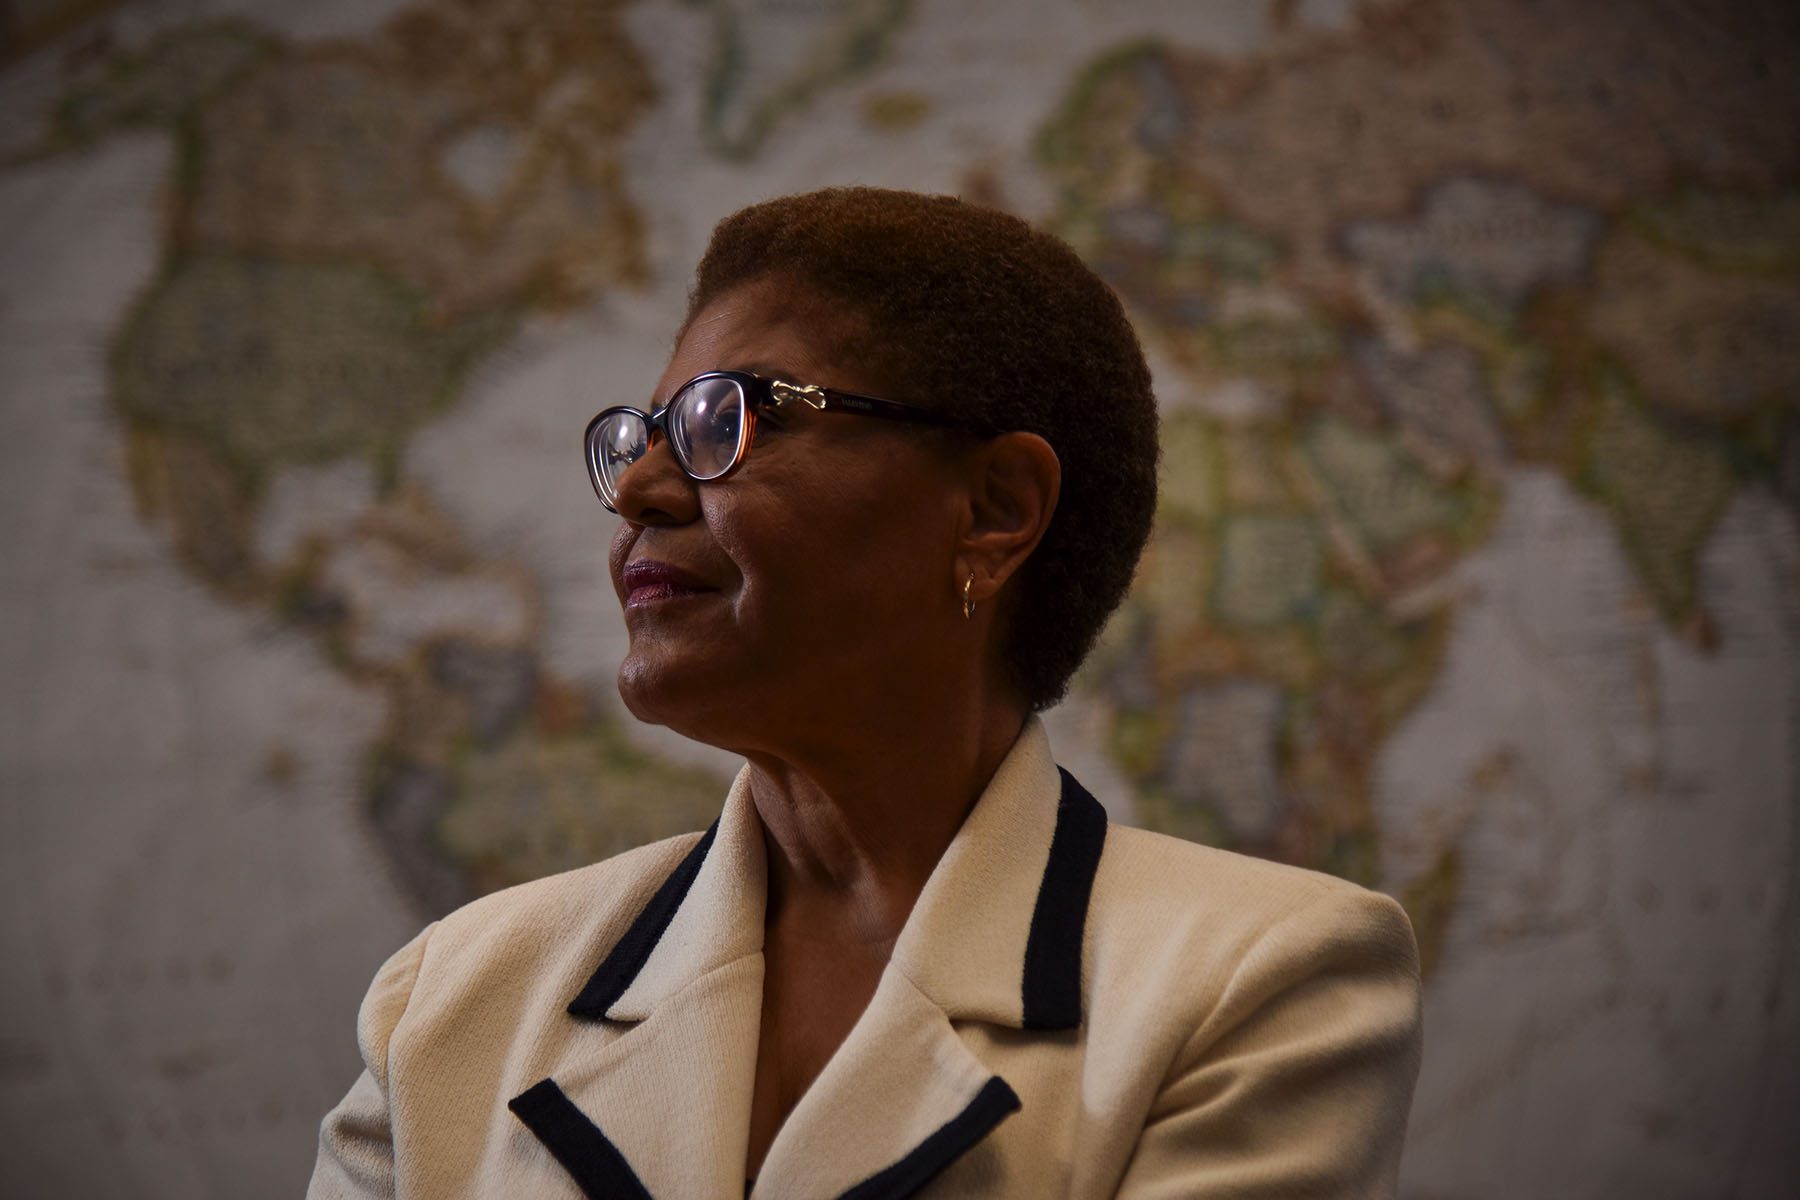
(580, 907)
(1270, 1016)
(1153, 886)
(1191, 870)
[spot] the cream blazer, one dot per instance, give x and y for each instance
(1072, 1010)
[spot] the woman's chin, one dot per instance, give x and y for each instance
(663, 693)
(644, 689)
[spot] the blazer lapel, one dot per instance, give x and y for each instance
(901, 1099)
(995, 937)
(663, 1108)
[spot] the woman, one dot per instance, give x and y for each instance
(901, 468)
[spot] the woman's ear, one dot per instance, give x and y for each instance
(1014, 480)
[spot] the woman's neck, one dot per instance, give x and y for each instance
(853, 832)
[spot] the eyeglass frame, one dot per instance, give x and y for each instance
(760, 391)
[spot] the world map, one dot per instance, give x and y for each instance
(1475, 577)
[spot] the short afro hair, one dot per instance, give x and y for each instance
(953, 305)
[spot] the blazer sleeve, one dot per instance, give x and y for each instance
(1297, 1083)
(356, 1149)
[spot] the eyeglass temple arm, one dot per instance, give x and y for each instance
(828, 398)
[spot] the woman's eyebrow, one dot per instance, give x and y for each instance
(756, 367)
(768, 370)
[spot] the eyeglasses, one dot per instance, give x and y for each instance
(710, 424)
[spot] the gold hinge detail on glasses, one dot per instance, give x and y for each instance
(805, 393)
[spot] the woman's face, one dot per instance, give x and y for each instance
(815, 587)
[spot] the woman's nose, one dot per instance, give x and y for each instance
(655, 491)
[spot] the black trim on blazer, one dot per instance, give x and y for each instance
(622, 965)
(992, 1104)
(577, 1143)
(1051, 990)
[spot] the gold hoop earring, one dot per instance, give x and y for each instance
(968, 596)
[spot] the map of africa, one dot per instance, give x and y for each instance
(1475, 578)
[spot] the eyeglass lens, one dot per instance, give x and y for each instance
(705, 422)
(620, 440)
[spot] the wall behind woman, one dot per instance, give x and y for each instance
(1476, 579)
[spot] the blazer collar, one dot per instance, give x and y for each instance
(708, 912)
(996, 936)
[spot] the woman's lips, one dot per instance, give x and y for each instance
(650, 582)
